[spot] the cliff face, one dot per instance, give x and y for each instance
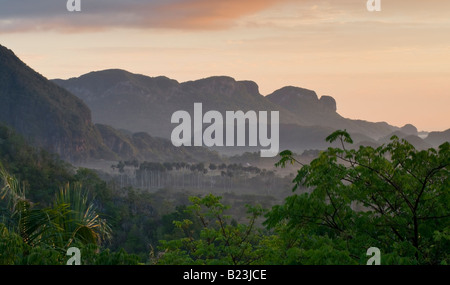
(312, 111)
(141, 103)
(306, 105)
(45, 114)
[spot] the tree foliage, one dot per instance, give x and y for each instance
(346, 200)
(220, 241)
(34, 235)
(393, 197)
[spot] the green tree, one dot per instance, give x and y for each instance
(72, 219)
(393, 197)
(220, 240)
(14, 251)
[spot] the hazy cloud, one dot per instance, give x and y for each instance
(45, 15)
(32, 15)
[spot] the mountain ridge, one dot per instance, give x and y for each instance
(141, 103)
(52, 118)
(62, 115)
(45, 113)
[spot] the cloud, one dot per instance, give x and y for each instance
(97, 15)
(45, 15)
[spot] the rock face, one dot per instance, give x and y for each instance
(328, 103)
(146, 104)
(306, 105)
(44, 113)
(140, 103)
(294, 99)
(312, 111)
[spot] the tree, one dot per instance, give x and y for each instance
(72, 219)
(14, 251)
(393, 197)
(220, 241)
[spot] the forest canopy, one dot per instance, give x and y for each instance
(393, 198)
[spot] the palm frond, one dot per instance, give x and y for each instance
(13, 192)
(73, 218)
(83, 223)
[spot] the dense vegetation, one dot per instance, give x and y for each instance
(345, 201)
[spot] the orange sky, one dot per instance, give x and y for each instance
(392, 65)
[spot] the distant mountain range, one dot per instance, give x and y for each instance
(131, 114)
(52, 118)
(140, 103)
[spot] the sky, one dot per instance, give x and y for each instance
(391, 66)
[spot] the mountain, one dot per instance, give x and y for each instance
(143, 147)
(145, 104)
(415, 140)
(409, 130)
(52, 118)
(312, 111)
(133, 114)
(437, 138)
(46, 114)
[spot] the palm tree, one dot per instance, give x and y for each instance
(81, 223)
(72, 218)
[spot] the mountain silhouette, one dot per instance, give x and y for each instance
(44, 113)
(141, 103)
(114, 114)
(52, 118)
